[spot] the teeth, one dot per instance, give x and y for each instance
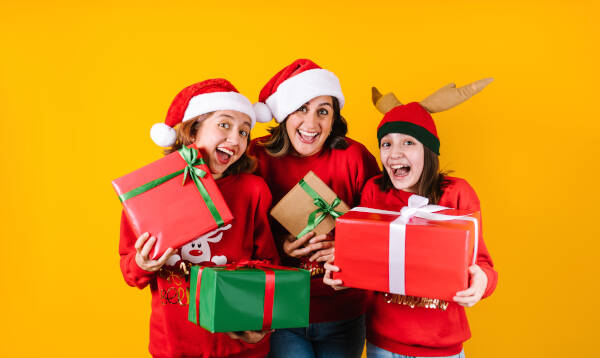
(226, 151)
(308, 134)
(399, 166)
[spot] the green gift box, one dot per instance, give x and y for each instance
(244, 297)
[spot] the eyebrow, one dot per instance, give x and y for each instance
(225, 115)
(325, 103)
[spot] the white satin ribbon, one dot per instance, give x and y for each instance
(417, 206)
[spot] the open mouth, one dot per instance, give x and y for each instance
(400, 170)
(307, 137)
(224, 155)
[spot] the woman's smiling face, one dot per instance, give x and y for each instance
(309, 126)
(402, 157)
(223, 139)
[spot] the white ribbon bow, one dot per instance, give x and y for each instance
(417, 206)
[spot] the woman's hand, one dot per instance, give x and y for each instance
(306, 244)
(143, 245)
(330, 267)
(249, 336)
(472, 295)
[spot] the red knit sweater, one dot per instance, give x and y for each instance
(171, 334)
(345, 171)
(423, 331)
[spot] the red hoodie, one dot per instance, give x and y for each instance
(345, 171)
(423, 331)
(249, 237)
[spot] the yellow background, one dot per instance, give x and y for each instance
(82, 82)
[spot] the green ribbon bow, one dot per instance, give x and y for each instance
(191, 158)
(323, 209)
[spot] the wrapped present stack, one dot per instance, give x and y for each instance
(174, 198)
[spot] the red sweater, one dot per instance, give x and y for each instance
(171, 334)
(345, 171)
(423, 331)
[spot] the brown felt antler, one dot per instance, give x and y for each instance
(441, 100)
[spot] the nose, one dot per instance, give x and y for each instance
(397, 152)
(233, 137)
(311, 119)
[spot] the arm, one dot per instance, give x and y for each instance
(483, 277)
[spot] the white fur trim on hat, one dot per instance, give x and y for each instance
(219, 101)
(301, 88)
(263, 113)
(163, 135)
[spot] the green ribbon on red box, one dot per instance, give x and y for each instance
(323, 208)
(190, 156)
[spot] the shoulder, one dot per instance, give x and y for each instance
(373, 183)
(460, 194)
(256, 147)
(355, 151)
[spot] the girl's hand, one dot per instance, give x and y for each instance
(301, 247)
(326, 252)
(472, 295)
(249, 336)
(335, 284)
(143, 245)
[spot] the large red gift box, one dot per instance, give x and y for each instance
(174, 198)
(425, 253)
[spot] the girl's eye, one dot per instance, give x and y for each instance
(323, 112)
(243, 133)
(409, 142)
(385, 144)
(224, 125)
(302, 109)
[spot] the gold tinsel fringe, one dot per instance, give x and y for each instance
(413, 301)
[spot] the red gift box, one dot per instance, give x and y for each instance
(423, 251)
(174, 198)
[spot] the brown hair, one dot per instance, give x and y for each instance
(279, 144)
(186, 135)
(432, 182)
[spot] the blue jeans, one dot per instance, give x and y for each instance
(375, 352)
(338, 339)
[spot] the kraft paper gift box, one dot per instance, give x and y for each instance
(309, 205)
(174, 198)
(425, 251)
(249, 296)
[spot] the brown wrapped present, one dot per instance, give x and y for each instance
(310, 206)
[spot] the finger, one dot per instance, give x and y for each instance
(140, 241)
(331, 267)
(319, 238)
(147, 247)
(170, 251)
(465, 300)
(468, 292)
(300, 241)
(320, 254)
(324, 258)
(319, 246)
(329, 281)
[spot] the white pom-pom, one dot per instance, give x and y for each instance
(163, 135)
(262, 111)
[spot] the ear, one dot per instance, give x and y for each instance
(215, 238)
(384, 103)
(449, 96)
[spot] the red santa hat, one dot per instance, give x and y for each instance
(411, 119)
(295, 85)
(203, 97)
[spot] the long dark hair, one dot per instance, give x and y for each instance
(432, 182)
(279, 144)
(186, 135)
